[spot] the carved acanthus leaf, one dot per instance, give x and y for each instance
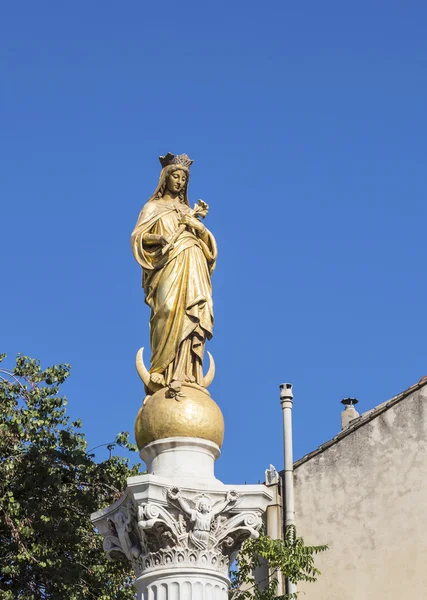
(230, 533)
(159, 527)
(122, 540)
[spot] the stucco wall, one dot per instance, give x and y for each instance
(366, 496)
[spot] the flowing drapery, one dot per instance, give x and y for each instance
(178, 290)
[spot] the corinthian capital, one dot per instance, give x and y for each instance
(182, 529)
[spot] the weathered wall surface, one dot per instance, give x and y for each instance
(366, 496)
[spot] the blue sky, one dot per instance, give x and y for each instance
(307, 123)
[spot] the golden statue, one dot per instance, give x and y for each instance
(177, 254)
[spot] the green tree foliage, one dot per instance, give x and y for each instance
(289, 558)
(49, 486)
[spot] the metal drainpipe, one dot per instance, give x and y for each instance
(286, 401)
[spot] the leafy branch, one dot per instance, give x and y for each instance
(289, 558)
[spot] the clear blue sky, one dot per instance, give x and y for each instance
(307, 122)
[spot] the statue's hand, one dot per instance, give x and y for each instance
(163, 241)
(152, 239)
(174, 493)
(232, 496)
(166, 245)
(193, 223)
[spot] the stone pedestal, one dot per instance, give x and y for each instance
(178, 525)
(180, 459)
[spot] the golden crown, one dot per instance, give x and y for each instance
(171, 159)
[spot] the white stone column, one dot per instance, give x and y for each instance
(178, 525)
(183, 585)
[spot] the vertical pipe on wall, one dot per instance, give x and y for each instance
(286, 400)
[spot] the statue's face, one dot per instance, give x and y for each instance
(176, 181)
(203, 507)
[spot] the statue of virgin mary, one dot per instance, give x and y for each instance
(177, 254)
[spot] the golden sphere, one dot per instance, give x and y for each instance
(192, 414)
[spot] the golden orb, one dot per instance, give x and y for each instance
(192, 413)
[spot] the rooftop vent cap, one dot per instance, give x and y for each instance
(350, 413)
(349, 401)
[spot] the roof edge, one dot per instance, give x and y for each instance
(362, 420)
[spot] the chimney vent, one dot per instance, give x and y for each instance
(286, 391)
(349, 413)
(349, 401)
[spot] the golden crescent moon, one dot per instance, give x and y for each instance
(145, 375)
(208, 378)
(143, 371)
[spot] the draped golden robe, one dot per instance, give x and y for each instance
(178, 290)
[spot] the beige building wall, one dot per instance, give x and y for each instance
(365, 494)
